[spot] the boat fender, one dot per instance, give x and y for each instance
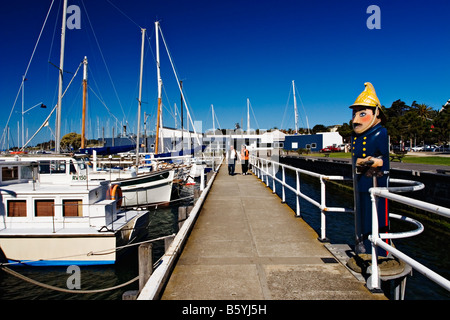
(116, 194)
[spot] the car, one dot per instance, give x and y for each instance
(441, 149)
(430, 148)
(417, 148)
(330, 149)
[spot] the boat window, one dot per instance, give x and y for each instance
(52, 166)
(72, 208)
(72, 168)
(44, 208)
(10, 173)
(81, 163)
(17, 208)
(58, 166)
(26, 173)
(44, 167)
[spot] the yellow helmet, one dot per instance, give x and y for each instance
(368, 97)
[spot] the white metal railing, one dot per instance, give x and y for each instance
(377, 239)
(265, 168)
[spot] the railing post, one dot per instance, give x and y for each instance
(323, 206)
(273, 177)
(267, 172)
(297, 179)
(202, 179)
(283, 194)
(258, 168)
(373, 282)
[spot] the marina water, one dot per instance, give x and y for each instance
(429, 248)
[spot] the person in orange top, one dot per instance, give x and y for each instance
(244, 159)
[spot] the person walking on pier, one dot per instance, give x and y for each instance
(231, 160)
(244, 159)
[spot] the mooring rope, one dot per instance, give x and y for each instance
(47, 286)
(90, 253)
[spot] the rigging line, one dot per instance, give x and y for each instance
(104, 61)
(303, 107)
(163, 87)
(54, 108)
(217, 119)
(22, 277)
(104, 104)
(126, 16)
(285, 108)
(215, 116)
(257, 124)
(168, 101)
(54, 31)
(179, 87)
(28, 66)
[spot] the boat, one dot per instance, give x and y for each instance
(56, 223)
(138, 189)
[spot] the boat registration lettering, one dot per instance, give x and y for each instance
(79, 178)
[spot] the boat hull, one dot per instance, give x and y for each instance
(61, 250)
(82, 248)
(147, 189)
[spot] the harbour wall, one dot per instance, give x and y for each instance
(437, 185)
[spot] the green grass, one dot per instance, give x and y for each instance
(443, 161)
(437, 160)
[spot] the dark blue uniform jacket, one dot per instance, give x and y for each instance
(374, 142)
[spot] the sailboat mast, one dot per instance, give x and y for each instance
(214, 127)
(295, 107)
(61, 67)
(248, 116)
(158, 117)
(83, 118)
(140, 96)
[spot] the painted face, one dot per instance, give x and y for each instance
(363, 119)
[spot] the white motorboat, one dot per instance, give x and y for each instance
(58, 223)
(138, 189)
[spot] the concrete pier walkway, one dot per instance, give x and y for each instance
(247, 245)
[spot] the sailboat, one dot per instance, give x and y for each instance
(139, 189)
(48, 220)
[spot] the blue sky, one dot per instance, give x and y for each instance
(225, 52)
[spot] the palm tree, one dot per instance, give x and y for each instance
(422, 110)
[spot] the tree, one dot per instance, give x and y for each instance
(319, 128)
(442, 124)
(346, 131)
(397, 109)
(71, 141)
(422, 110)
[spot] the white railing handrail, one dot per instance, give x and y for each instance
(260, 167)
(377, 239)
